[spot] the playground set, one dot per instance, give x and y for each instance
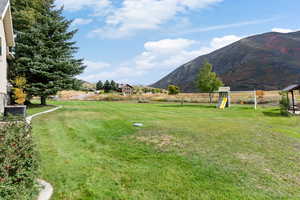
(224, 98)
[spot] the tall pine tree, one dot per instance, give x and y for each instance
(99, 85)
(113, 85)
(26, 13)
(107, 86)
(45, 54)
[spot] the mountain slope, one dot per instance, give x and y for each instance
(268, 61)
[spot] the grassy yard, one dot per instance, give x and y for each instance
(91, 151)
(33, 109)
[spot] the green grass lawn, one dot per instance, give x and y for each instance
(35, 108)
(91, 151)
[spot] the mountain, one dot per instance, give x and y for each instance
(269, 61)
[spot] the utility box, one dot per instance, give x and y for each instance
(15, 111)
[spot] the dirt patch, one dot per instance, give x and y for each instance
(297, 146)
(160, 141)
(251, 158)
(286, 177)
(261, 163)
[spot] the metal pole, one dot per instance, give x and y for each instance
(255, 100)
(293, 96)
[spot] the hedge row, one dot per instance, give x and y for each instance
(18, 162)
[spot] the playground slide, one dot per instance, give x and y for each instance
(224, 102)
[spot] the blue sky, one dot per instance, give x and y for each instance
(140, 41)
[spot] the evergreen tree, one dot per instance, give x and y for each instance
(107, 86)
(208, 81)
(113, 85)
(26, 13)
(45, 54)
(99, 85)
(77, 84)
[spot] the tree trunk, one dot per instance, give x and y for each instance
(43, 100)
(210, 98)
(27, 102)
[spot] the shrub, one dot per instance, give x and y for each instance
(19, 93)
(284, 104)
(20, 96)
(173, 89)
(143, 101)
(18, 162)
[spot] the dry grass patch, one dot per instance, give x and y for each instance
(161, 141)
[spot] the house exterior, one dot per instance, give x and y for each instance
(6, 41)
(126, 89)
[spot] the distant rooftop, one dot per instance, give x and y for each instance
(291, 88)
(224, 89)
(124, 85)
(3, 4)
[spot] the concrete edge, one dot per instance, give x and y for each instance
(46, 191)
(46, 188)
(29, 119)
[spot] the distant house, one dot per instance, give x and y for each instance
(126, 89)
(6, 41)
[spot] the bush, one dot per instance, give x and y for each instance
(112, 97)
(18, 162)
(173, 89)
(19, 93)
(143, 101)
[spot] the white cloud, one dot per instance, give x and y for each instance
(94, 67)
(165, 53)
(162, 55)
(220, 42)
(168, 45)
(282, 30)
(136, 15)
(75, 5)
(170, 53)
(81, 21)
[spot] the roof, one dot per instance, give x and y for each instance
(291, 88)
(5, 16)
(224, 89)
(3, 5)
(125, 85)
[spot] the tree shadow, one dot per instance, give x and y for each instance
(189, 106)
(272, 113)
(206, 106)
(38, 106)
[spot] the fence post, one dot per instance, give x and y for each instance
(255, 100)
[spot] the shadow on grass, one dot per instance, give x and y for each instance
(189, 106)
(205, 106)
(243, 107)
(38, 106)
(272, 113)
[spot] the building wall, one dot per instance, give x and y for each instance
(127, 91)
(3, 68)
